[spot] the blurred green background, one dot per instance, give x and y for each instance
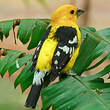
(10, 98)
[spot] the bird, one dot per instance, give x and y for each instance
(56, 51)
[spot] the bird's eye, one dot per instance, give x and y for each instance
(72, 11)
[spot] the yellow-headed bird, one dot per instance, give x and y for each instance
(57, 50)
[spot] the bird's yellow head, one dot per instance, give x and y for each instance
(66, 15)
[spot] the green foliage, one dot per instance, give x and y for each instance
(78, 96)
(28, 30)
(93, 47)
(78, 92)
(6, 62)
(5, 27)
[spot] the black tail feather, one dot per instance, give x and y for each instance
(33, 96)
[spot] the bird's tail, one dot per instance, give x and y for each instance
(33, 96)
(35, 89)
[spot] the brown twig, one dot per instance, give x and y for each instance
(3, 52)
(15, 23)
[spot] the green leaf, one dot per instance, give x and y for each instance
(86, 50)
(98, 51)
(5, 27)
(97, 84)
(7, 61)
(99, 62)
(38, 31)
(1, 36)
(25, 30)
(88, 28)
(19, 63)
(27, 83)
(76, 96)
(104, 95)
(31, 28)
(98, 75)
(12, 63)
(84, 33)
(25, 73)
(99, 36)
(91, 49)
(104, 33)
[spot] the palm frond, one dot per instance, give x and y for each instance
(71, 92)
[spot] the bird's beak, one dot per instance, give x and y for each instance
(79, 12)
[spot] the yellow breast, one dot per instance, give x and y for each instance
(45, 57)
(44, 60)
(46, 53)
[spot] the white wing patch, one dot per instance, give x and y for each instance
(39, 43)
(65, 49)
(38, 77)
(35, 56)
(73, 41)
(56, 62)
(58, 53)
(38, 48)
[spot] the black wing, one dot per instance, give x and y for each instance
(35, 56)
(67, 42)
